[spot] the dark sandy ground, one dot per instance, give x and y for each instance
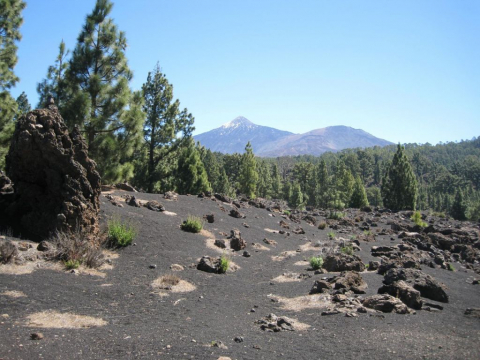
(142, 322)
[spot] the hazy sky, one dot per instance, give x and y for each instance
(405, 71)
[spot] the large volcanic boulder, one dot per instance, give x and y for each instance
(56, 186)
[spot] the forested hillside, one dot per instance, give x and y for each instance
(447, 176)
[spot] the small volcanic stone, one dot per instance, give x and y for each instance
(36, 336)
(246, 254)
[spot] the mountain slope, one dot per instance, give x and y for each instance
(233, 136)
(269, 142)
(316, 142)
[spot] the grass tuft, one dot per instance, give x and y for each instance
(347, 250)
(192, 224)
(224, 264)
(120, 234)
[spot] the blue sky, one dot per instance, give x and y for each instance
(406, 71)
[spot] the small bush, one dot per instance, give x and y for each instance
(353, 237)
(224, 264)
(322, 225)
(367, 232)
(347, 250)
(75, 249)
(336, 215)
(192, 224)
(316, 262)
(450, 267)
(286, 212)
(72, 264)
(120, 234)
(417, 219)
(331, 235)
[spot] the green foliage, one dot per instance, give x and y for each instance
(336, 215)
(374, 196)
(99, 98)
(224, 264)
(331, 235)
(286, 212)
(322, 225)
(367, 232)
(450, 267)
(163, 124)
(72, 264)
(297, 200)
(316, 262)
(399, 186)
(10, 22)
(55, 83)
(248, 176)
(347, 250)
(191, 177)
(417, 219)
(359, 196)
(193, 224)
(120, 234)
(459, 207)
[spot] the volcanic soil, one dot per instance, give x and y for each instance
(131, 307)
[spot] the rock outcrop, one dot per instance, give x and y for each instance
(56, 186)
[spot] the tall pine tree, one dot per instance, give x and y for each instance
(191, 177)
(55, 83)
(166, 128)
(399, 186)
(248, 176)
(359, 196)
(100, 100)
(10, 22)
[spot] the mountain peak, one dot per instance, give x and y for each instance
(239, 120)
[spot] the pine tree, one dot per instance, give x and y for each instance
(248, 176)
(264, 185)
(399, 186)
(459, 209)
(55, 83)
(23, 106)
(163, 124)
(99, 98)
(223, 185)
(191, 177)
(322, 187)
(297, 200)
(10, 22)
(344, 182)
(276, 182)
(359, 196)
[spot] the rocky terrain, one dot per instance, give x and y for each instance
(387, 289)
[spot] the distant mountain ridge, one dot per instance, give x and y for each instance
(269, 142)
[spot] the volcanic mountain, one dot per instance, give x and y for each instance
(269, 142)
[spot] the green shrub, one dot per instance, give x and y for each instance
(286, 212)
(347, 250)
(417, 219)
(192, 224)
(336, 215)
(331, 235)
(224, 264)
(71, 264)
(322, 225)
(367, 232)
(120, 234)
(450, 267)
(316, 262)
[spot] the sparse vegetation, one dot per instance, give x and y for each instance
(170, 280)
(120, 234)
(347, 250)
(450, 267)
(75, 249)
(224, 264)
(367, 232)
(322, 225)
(72, 264)
(417, 219)
(193, 224)
(331, 235)
(336, 215)
(286, 212)
(316, 262)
